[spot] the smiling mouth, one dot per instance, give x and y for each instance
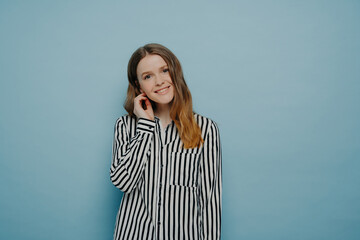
(163, 90)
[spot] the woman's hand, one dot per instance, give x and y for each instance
(139, 111)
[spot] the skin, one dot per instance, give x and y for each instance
(153, 75)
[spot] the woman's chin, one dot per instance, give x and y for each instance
(162, 101)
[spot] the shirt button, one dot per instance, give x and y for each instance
(159, 222)
(159, 203)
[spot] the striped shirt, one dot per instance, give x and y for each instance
(169, 192)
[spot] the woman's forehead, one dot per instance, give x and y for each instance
(150, 62)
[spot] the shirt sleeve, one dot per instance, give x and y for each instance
(211, 185)
(130, 154)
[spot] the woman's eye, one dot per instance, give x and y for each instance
(147, 76)
(165, 70)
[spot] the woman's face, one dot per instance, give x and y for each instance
(154, 79)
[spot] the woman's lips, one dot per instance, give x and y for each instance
(163, 90)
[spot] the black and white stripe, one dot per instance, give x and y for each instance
(169, 192)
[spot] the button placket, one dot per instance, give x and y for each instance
(160, 176)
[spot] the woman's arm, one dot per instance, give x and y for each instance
(211, 185)
(130, 154)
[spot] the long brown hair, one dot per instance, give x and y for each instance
(181, 111)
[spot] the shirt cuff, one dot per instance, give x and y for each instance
(145, 125)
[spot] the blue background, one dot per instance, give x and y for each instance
(281, 79)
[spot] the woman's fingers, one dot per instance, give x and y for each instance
(139, 98)
(147, 102)
(138, 107)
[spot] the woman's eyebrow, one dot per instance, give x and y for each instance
(165, 66)
(146, 73)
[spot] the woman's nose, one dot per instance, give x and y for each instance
(160, 80)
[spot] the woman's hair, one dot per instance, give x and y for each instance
(181, 111)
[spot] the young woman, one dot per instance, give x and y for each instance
(166, 158)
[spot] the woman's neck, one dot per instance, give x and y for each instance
(163, 113)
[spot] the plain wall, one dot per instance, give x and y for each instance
(281, 79)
